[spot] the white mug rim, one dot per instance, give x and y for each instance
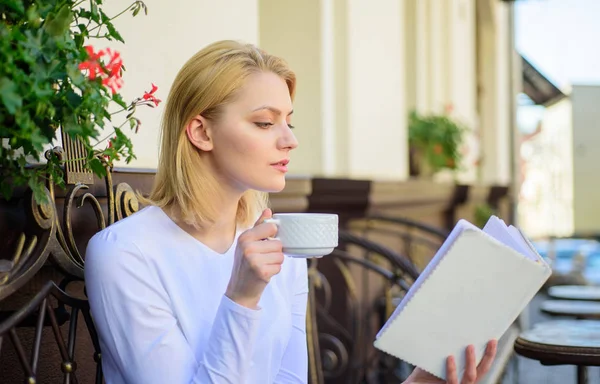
(304, 214)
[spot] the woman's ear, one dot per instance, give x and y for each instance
(198, 133)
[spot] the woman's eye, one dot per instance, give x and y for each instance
(291, 126)
(263, 125)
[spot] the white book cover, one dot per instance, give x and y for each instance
(472, 290)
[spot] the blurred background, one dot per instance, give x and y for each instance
(518, 77)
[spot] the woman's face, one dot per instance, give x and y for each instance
(252, 138)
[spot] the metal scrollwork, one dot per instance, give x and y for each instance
(32, 249)
(344, 336)
(334, 355)
(74, 254)
(126, 201)
(46, 234)
(41, 235)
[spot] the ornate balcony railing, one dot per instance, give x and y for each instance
(40, 254)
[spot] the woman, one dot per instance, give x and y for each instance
(187, 290)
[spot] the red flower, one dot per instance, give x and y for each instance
(449, 108)
(92, 64)
(113, 82)
(115, 63)
(110, 73)
(150, 95)
(109, 146)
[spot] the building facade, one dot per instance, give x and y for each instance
(361, 66)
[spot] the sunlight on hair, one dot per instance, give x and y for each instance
(207, 82)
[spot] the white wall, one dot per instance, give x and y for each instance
(586, 157)
(493, 52)
(292, 30)
(441, 66)
(377, 135)
(545, 205)
(158, 44)
(462, 89)
(350, 108)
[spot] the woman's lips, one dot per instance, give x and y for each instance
(281, 165)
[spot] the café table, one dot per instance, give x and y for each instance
(575, 292)
(563, 342)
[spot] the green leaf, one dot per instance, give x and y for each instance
(71, 126)
(9, 96)
(38, 141)
(113, 32)
(97, 167)
(119, 100)
(94, 11)
(74, 99)
(15, 5)
(38, 189)
(60, 23)
(6, 189)
(33, 15)
(103, 16)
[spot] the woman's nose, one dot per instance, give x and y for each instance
(288, 139)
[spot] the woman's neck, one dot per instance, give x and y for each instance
(218, 236)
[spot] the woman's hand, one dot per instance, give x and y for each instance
(256, 262)
(472, 372)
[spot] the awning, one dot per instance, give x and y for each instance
(539, 89)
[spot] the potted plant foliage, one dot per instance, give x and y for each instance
(56, 75)
(435, 141)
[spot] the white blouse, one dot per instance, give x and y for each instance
(157, 298)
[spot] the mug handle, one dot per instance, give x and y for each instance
(276, 222)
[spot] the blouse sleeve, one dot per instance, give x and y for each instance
(139, 332)
(294, 365)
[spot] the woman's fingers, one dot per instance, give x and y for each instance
(266, 214)
(488, 358)
(473, 372)
(268, 265)
(451, 376)
(267, 246)
(470, 374)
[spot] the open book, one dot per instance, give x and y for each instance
(473, 289)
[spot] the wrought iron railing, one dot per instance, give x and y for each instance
(351, 297)
(36, 237)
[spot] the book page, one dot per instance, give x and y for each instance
(520, 236)
(498, 230)
(511, 237)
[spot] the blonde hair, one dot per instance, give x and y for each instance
(207, 81)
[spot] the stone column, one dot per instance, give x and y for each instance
(349, 58)
(494, 90)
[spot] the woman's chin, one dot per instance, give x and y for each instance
(272, 187)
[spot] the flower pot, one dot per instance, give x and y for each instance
(418, 164)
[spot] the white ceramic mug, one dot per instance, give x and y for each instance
(306, 234)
